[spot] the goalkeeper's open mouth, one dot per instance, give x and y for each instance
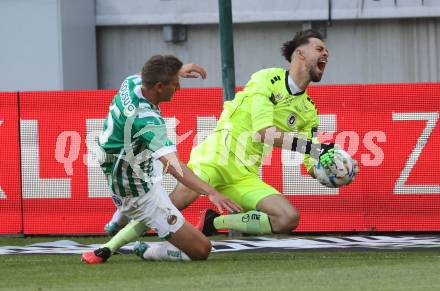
(321, 64)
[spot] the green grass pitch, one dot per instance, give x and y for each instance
(300, 270)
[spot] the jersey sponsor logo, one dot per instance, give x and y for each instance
(291, 120)
(275, 98)
(129, 108)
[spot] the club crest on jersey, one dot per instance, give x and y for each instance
(129, 110)
(291, 120)
(276, 98)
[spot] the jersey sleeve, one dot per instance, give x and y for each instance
(309, 162)
(151, 128)
(262, 109)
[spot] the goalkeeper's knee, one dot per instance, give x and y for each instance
(285, 222)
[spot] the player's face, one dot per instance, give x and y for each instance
(316, 58)
(169, 89)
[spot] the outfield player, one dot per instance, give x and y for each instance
(134, 138)
(273, 109)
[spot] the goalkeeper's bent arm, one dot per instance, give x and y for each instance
(274, 136)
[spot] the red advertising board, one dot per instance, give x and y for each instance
(55, 196)
(392, 130)
(10, 182)
(395, 136)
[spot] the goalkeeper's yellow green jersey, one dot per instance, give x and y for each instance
(270, 98)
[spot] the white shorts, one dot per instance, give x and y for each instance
(154, 208)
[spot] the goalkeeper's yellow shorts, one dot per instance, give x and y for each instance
(246, 189)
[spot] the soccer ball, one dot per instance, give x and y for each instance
(341, 173)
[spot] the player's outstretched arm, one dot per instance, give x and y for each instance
(323, 154)
(174, 166)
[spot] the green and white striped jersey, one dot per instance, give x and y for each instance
(133, 137)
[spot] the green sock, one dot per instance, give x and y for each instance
(129, 233)
(252, 222)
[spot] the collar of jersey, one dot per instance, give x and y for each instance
(291, 87)
(138, 92)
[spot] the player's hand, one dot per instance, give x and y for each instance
(326, 157)
(192, 71)
(329, 160)
(342, 171)
(221, 202)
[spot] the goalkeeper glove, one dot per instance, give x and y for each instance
(327, 155)
(341, 169)
(322, 153)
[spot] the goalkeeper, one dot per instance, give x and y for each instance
(274, 109)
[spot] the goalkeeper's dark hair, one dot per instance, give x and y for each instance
(160, 68)
(301, 37)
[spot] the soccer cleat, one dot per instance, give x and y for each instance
(112, 228)
(98, 256)
(139, 249)
(206, 222)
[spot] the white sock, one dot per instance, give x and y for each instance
(164, 251)
(119, 218)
